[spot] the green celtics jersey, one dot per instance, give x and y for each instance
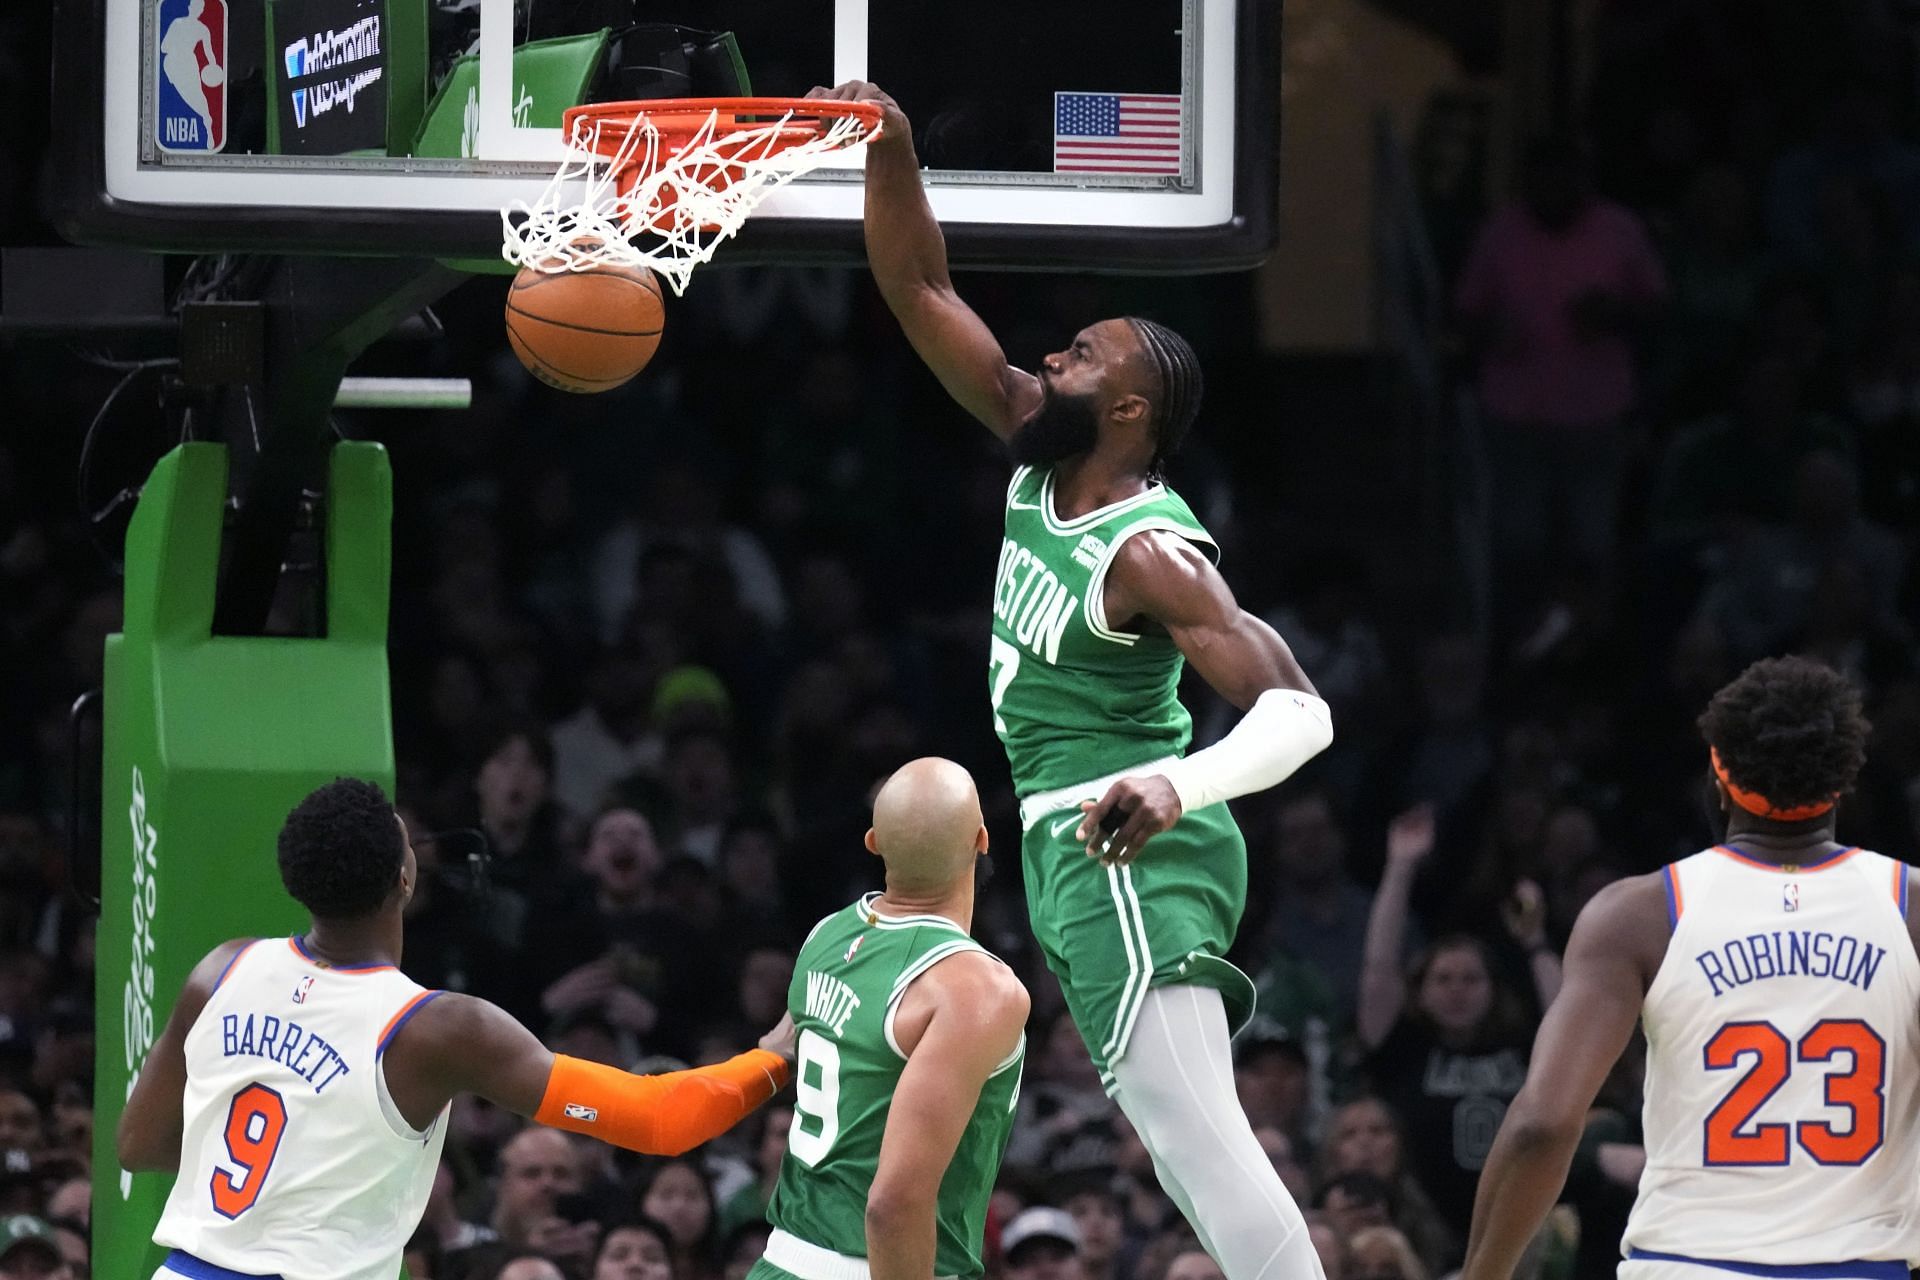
(848, 979)
(1073, 698)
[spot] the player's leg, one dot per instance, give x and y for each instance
(1176, 1086)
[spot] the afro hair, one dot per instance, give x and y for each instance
(1791, 729)
(341, 850)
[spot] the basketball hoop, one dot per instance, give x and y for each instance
(661, 184)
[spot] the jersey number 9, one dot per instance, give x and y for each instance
(816, 1098)
(256, 1121)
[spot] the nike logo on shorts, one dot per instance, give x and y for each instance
(1058, 827)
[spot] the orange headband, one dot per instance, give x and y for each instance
(1761, 807)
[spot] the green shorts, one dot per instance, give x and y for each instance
(1110, 934)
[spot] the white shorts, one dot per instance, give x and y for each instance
(1647, 1265)
(184, 1266)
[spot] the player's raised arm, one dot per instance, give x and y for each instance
(909, 260)
(459, 1044)
(975, 1010)
(148, 1137)
(1164, 579)
(1616, 946)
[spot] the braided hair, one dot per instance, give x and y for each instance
(1176, 398)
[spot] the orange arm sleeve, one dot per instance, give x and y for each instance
(662, 1115)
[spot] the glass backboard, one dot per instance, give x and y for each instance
(1128, 134)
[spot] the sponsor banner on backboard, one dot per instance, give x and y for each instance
(191, 60)
(333, 66)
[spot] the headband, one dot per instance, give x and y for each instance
(1761, 807)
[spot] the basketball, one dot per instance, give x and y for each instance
(584, 331)
(212, 77)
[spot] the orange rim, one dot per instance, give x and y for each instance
(679, 119)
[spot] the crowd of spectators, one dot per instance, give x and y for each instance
(660, 646)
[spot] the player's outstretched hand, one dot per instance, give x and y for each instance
(781, 1039)
(893, 121)
(1132, 811)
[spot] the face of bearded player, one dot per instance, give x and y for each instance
(1066, 425)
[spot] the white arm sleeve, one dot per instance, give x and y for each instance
(1281, 731)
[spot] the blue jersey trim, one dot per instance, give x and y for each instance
(200, 1269)
(1862, 1270)
(1905, 875)
(420, 1002)
(232, 961)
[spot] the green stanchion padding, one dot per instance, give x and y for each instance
(209, 741)
(549, 76)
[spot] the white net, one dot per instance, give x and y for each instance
(687, 201)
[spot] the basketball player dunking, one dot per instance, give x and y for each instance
(1778, 983)
(301, 1084)
(1136, 875)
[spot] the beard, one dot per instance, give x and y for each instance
(1066, 425)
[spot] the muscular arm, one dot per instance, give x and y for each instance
(908, 256)
(968, 1012)
(459, 1044)
(1614, 952)
(148, 1138)
(1162, 578)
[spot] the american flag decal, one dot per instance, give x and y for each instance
(1116, 133)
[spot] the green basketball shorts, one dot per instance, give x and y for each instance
(1111, 934)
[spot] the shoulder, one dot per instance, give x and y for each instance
(1629, 919)
(216, 964)
(980, 985)
(1160, 566)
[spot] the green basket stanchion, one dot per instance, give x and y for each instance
(209, 741)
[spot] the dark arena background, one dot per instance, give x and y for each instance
(634, 663)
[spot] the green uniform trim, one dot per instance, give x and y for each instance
(848, 982)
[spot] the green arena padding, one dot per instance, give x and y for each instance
(209, 741)
(549, 76)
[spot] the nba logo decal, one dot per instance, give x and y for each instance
(848, 958)
(300, 992)
(191, 114)
(1790, 898)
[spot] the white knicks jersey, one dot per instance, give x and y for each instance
(294, 1160)
(1782, 1117)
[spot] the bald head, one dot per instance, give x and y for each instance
(926, 826)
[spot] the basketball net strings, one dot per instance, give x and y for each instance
(682, 208)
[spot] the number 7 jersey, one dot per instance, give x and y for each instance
(294, 1160)
(1782, 1114)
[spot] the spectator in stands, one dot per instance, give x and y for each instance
(609, 738)
(29, 1250)
(1100, 1215)
(1197, 1264)
(1363, 1136)
(536, 1168)
(1318, 914)
(1382, 1253)
(749, 1204)
(634, 1249)
(677, 1195)
(1270, 1075)
(1557, 289)
(1330, 1244)
(1042, 1243)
